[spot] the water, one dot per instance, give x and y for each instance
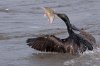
(21, 19)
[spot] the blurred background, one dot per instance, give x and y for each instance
(21, 19)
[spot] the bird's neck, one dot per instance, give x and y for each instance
(67, 22)
(69, 28)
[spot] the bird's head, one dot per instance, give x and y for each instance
(50, 13)
(62, 16)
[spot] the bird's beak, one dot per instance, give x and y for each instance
(48, 12)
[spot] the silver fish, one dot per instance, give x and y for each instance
(49, 13)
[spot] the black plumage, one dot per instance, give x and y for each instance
(75, 43)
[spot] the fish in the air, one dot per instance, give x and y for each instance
(49, 13)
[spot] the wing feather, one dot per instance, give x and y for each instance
(46, 43)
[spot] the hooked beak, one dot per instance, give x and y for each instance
(48, 12)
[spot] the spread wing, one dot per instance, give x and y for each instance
(84, 42)
(46, 43)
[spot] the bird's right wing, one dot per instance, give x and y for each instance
(84, 42)
(47, 44)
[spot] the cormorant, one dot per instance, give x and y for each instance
(75, 43)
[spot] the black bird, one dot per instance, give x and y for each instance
(50, 13)
(75, 43)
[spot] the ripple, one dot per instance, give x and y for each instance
(19, 34)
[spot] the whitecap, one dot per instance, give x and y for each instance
(69, 62)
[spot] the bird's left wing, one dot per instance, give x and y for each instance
(47, 43)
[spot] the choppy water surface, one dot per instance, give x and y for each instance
(21, 19)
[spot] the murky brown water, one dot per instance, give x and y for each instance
(21, 19)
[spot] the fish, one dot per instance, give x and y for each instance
(49, 13)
